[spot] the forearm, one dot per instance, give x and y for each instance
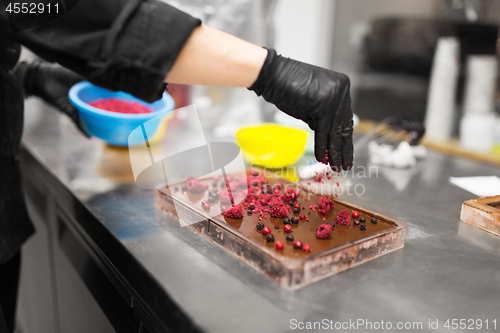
(213, 57)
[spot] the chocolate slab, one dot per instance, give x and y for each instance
(350, 244)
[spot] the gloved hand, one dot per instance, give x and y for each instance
(317, 96)
(50, 82)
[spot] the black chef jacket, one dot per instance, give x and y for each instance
(127, 45)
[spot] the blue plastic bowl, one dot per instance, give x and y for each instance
(112, 127)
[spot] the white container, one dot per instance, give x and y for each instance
(481, 82)
(442, 89)
(477, 132)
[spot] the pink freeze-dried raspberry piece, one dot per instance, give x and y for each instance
(325, 205)
(279, 210)
(343, 218)
(291, 195)
(194, 185)
(324, 231)
(235, 212)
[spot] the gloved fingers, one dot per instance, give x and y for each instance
(320, 145)
(347, 147)
(335, 144)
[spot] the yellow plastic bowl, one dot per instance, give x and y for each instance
(271, 145)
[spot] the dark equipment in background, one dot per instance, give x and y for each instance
(398, 54)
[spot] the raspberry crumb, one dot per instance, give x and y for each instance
(325, 205)
(291, 195)
(279, 210)
(343, 218)
(194, 185)
(120, 106)
(234, 212)
(324, 231)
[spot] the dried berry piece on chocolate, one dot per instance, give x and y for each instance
(266, 231)
(252, 207)
(374, 220)
(302, 216)
(287, 228)
(291, 194)
(195, 186)
(270, 238)
(291, 203)
(279, 210)
(355, 214)
(260, 226)
(295, 220)
(296, 210)
(297, 245)
(326, 204)
(356, 222)
(306, 248)
(279, 245)
(249, 211)
(276, 226)
(286, 221)
(362, 220)
(234, 212)
(205, 205)
(343, 217)
(362, 227)
(289, 238)
(324, 231)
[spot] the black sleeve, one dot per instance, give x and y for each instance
(127, 45)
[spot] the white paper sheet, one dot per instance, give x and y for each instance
(487, 186)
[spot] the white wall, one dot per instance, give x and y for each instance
(304, 30)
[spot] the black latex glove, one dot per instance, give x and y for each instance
(51, 82)
(317, 96)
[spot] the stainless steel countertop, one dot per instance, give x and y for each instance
(446, 270)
